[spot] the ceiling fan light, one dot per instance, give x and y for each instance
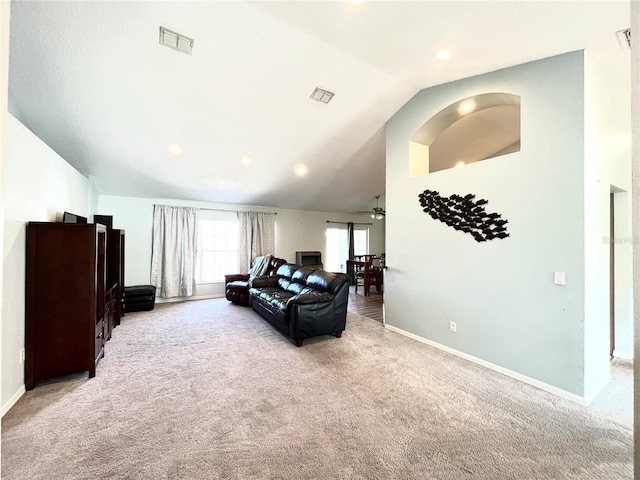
(373, 215)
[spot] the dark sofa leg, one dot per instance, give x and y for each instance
(338, 334)
(299, 342)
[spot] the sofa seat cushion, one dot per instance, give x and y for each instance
(273, 298)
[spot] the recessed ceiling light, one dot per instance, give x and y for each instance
(301, 170)
(246, 161)
(460, 164)
(466, 107)
(443, 54)
(174, 148)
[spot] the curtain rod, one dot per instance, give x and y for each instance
(347, 223)
(236, 211)
(218, 209)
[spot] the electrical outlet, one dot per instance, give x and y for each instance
(22, 356)
(453, 327)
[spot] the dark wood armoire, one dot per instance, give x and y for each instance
(71, 298)
(115, 271)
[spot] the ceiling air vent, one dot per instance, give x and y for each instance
(321, 95)
(624, 36)
(176, 41)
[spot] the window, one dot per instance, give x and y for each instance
(337, 250)
(217, 250)
(360, 242)
(338, 247)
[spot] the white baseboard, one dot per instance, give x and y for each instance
(622, 354)
(588, 398)
(12, 401)
(187, 299)
(496, 368)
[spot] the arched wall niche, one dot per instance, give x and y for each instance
(470, 130)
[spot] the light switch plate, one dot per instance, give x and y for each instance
(559, 278)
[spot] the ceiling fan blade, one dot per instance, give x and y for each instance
(375, 211)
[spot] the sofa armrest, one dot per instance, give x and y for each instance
(265, 281)
(234, 277)
(318, 313)
(314, 297)
(311, 319)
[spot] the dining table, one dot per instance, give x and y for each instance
(369, 273)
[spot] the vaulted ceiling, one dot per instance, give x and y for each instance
(91, 80)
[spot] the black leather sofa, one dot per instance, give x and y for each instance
(302, 302)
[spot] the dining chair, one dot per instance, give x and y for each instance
(366, 274)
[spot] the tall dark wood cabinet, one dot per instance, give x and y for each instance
(115, 271)
(66, 289)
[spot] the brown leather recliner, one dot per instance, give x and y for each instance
(237, 284)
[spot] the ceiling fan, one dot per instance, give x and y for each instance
(376, 213)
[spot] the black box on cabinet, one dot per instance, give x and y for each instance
(106, 220)
(68, 217)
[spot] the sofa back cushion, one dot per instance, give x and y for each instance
(284, 274)
(287, 270)
(301, 275)
(327, 281)
(302, 280)
(274, 264)
(297, 284)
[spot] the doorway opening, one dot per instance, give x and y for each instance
(620, 275)
(612, 276)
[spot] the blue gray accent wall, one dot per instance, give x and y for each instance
(501, 295)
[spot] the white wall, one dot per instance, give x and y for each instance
(607, 169)
(39, 186)
(635, 164)
(295, 231)
(610, 119)
(508, 311)
(5, 8)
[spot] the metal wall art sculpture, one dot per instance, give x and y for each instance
(465, 214)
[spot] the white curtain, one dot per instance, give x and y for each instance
(174, 250)
(257, 236)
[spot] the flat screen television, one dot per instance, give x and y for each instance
(73, 218)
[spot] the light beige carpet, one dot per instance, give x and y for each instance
(209, 390)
